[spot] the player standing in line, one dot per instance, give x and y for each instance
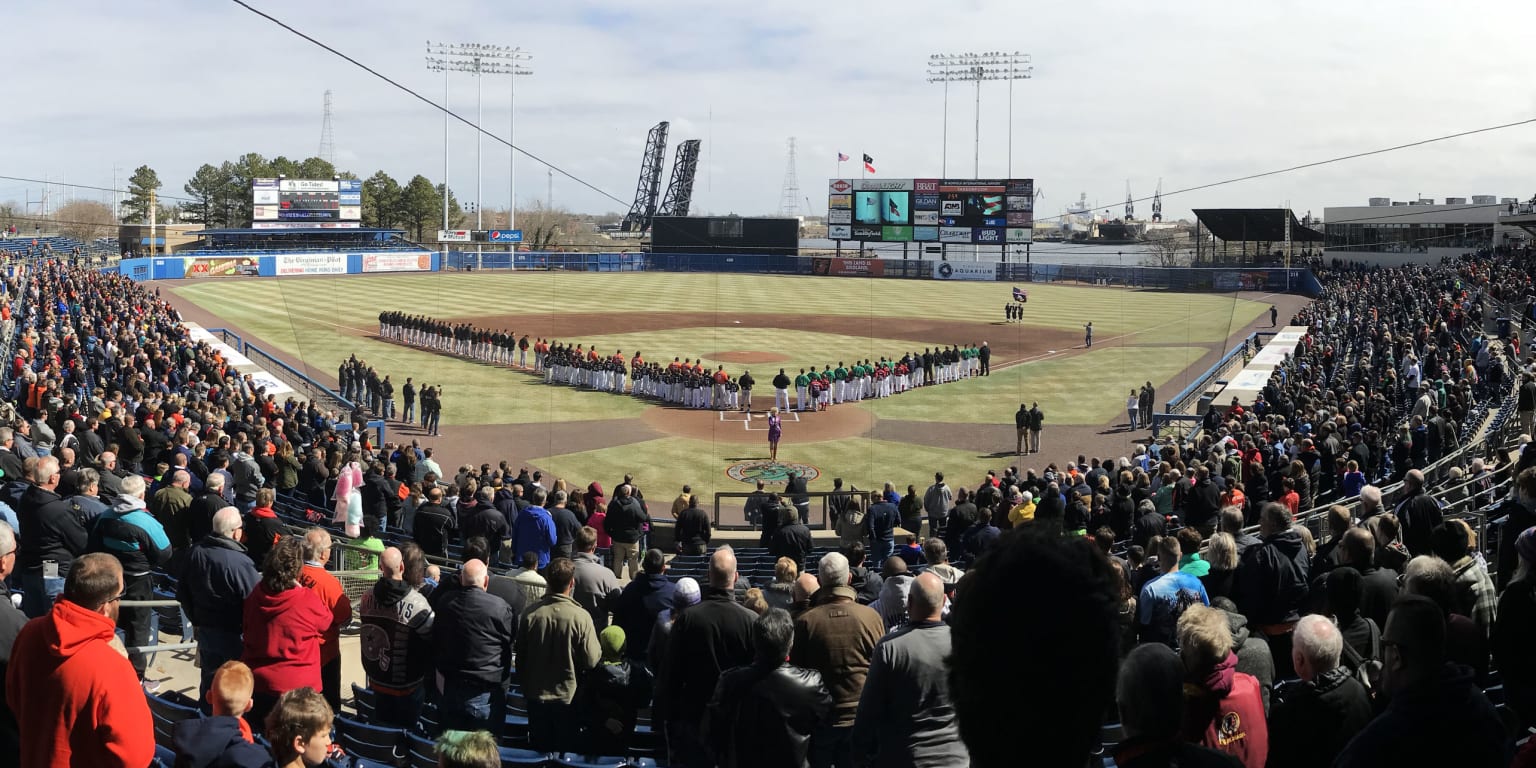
(802, 393)
(1021, 424)
(1088, 335)
(1036, 424)
(746, 382)
(781, 391)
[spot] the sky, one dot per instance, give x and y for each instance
(1121, 93)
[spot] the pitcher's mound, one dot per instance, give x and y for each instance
(835, 423)
(745, 357)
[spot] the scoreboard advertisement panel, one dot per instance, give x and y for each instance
(984, 211)
(297, 203)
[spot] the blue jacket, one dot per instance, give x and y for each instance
(881, 522)
(216, 742)
(128, 532)
(214, 577)
(534, 532)
(637, 608)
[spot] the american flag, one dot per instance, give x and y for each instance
(1019, 294)
(842, 158)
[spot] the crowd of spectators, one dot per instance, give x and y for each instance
(1001, 624)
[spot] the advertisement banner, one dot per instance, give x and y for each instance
(350, 198)
(840, 201)
(1020, 203)
(264, 196)
(264, 212)
(1025, 187)
(866, 233)
(1017, 235)
(883, 185)
(264, 183)
(926, 234)
(925, 185)
(504, 236)
(311, 263)
(896, 234)
(962, 270)
(855, 268)
(925, 201)
(973, 185)
(305, 225)
(454, 236)
(840, 186)
(351, 213)
(350, 185)
(840, 232)
(203, 266)
(839, 216)
(954, 234)
(930, 218)
(307, 185)
(988, 236)
(397, 262)
(1021, 219)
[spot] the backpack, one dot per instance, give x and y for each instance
(1367, 671)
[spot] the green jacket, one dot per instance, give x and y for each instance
(556, 645)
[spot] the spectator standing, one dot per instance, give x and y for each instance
(624, 524)
(213, 579)
(1417, 514)
(905, 716)
(692, 529)
(223, 739)
(880, 523)
(314, 577)
(614, 690)
(936, 502)
(791, 538)
(170, 506)
(837, 638)
(396, 642)
(312, 477)
(1223, 707)
(1427, 698)
(11, 622)
(520, 587)
(285, 625)
(556, 646)
(566, 525)
(76, 698)
(596, 587)
(1314, 721)
(1149, 694)
(49, 540)
(1271, 581)
(129, 533)
(706, 639)
(765, 713)
(1164, 598)
(641, 601)
(262, 526)
(473, 635)
(432, 524)
(535, 530)
(1475, 595)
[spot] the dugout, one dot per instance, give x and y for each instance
(725, 234)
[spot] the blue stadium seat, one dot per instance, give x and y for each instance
(362, 702)
(370, 742)
(573, 761)
(420, 751)
(512, 757)
(165, 714)
(164, 758)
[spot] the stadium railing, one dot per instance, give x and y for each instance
(825, 522)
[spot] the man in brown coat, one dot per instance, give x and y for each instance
(837, 638)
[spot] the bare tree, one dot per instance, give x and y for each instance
(1169, 248)
(85, 220)
(545, 229)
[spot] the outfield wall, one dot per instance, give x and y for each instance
(278, 265)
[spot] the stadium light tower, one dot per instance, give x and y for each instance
(479, 60)
(977, 67)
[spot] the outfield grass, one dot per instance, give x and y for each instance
(864, 462)
(1081, 389)
(356, 300)
(324, 320)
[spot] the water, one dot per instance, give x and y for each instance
(1041, 253)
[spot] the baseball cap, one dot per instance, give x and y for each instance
(687, 593)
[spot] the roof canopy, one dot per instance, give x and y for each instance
(1255, 225)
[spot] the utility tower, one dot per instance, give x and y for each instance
(1157, 202)
(789, 199)
(327, 137)
(1130, 205)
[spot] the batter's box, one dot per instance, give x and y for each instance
(739, 417)
(759, 422)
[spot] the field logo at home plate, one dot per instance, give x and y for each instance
(770, 472)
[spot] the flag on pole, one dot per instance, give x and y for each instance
(842, 158)
(1020, 295)
(869, 164)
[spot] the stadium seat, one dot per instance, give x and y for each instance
(164, 758)
(420, 751)
(362, 702)
(165, 714)
(370, 742)
(512, 757)
(573, 761)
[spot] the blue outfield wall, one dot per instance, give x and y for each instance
(278, 265)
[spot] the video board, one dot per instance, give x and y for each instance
(985, 211)
(298, 203)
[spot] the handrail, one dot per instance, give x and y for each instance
(823, 495)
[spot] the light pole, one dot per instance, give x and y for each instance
(976, 67)
(479, 59)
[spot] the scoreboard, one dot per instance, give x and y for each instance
(296, 203)
(985, 211)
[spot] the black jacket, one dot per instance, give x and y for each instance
(764, 715)
(198, 518)
(1122, 510)
(214, 576)
(487, 521)
(1445, 722)
(473, 633)
(12, 465)
(706, 639)
(1271, 580)
(637, 608)
(693, 527)
(625, 516)
(1202, 504)
(430, 529)
(48, 532)
(11, 622)
(216, 742)
(129, 533)
(792, 541)
(1419, 514)
(1520, 518)
(566, 526)
(1314, 721)
(1146, 526)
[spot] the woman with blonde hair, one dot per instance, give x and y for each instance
(775, 431)
(1221, 555)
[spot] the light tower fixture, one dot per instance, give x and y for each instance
(978, 67)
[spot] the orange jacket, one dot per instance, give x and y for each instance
(328, 589)
(76, 698)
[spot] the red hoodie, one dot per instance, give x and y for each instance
(1225, 712)
(282, 638)
(76, 697)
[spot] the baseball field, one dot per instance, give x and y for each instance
(757, 323)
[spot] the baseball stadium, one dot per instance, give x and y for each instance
(758, 324)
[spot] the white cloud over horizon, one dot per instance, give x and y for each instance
(1188, 93)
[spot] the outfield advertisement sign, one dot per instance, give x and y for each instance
(311, 263)
(961, 270)
(848, 267)
(204, 266)
(972, 211)
(397, 262)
